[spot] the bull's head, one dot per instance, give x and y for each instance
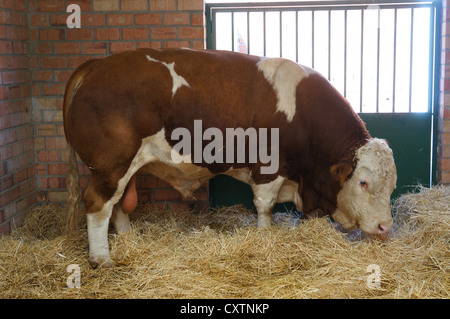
(364, 199)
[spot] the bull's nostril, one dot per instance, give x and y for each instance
(384, 228)
(383, 231)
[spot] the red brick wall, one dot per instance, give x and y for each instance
(443, 162)
(38, 53)
(17, 181)
(107, 27)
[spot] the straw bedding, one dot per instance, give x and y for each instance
(221, 254)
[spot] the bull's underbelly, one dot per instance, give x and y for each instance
(156, 156)
(185, 178)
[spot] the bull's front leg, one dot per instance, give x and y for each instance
(265, 197)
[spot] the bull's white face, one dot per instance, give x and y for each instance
(364, 200)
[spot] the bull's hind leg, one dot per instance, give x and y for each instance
(98, 214)
(100, 210)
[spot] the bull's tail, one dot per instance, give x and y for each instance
(74, 189)
(74, 192)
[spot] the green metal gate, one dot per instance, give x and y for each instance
(383, 56)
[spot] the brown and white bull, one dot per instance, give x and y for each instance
(120, 114)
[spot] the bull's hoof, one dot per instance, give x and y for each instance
(100, 262)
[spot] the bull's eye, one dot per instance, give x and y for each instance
(363, 184)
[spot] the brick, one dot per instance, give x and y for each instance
(186, 5)
(53, 89)
(75, 61)
(40, 20)
(23, 174)
(446, 126)
(135, 33)
(58, 20)
(445, 165)
(176, 18)
(446, 151)
(20, 47)
(44, 48)
(162, 5)
(94, 48)
(93, 20)
(80, 34)
(5, 17)
(55, 143)
(40, 169)
(52, 34)
(163, 33)
(44, 103)
(45, 129)
(5, 228)
(445, 177)
(117, 47)
(16, 33)
(106, 5)
(53, 62)
(177, 44)
(50, 5)
(48, 156)
(147, 18)
(190, 32)
(167, 195)
(63, 76)
(198, 20)
(149, 44)
(134, 5)
(17, 18)
(147, 181)
(53, 115)
(58, 169)
(6, 47)
(119, 19)
(85, 5)
(67, 48)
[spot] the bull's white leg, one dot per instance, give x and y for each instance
(265, 197)
(120, 219)
(97, 224)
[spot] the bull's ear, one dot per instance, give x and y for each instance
(341, 171)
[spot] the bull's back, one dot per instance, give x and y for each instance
(121, 99)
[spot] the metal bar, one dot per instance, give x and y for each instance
(437, 16)
(248, 32)
(264, 32)
(345, 53)
(312, 39)
(395, 61)
(281, 34)
(378, 63)
(232, 31)
(296, 36)
(322, 5)
(362, 63)
(329, 45)
(411, 59)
